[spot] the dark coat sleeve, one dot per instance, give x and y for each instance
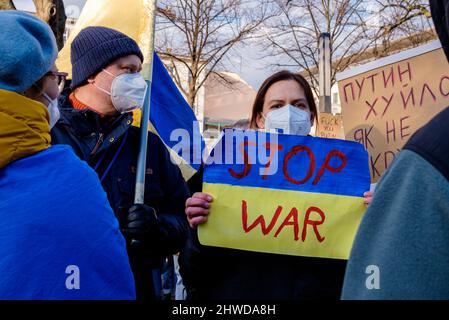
(172, 212)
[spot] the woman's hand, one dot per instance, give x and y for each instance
(368, 197)
(197, 208)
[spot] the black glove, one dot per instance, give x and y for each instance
(142, 227)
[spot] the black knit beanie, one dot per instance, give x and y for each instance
(96, 47)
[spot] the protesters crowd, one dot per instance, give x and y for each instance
(68, 162)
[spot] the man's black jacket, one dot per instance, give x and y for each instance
(110, 146)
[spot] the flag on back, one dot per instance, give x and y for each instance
(170, 114)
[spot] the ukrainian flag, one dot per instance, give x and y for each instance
(169, 109)
(304, 200)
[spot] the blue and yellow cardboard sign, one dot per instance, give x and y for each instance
(285, 194)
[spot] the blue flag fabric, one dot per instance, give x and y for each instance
(170, 112)
(59, 237)
(303, 163)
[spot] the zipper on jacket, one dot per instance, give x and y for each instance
(98, 144)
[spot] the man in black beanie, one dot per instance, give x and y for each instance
(96, 117)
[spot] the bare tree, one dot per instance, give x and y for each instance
(197, 35)
(404, 14)
(402, 24)
(293, 37)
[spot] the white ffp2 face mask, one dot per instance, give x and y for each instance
(290, 120)
(127, 91)
(52, 109)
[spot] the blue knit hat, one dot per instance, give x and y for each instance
(27, 50)
(94, 48)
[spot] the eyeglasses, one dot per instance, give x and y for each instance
(60, 76)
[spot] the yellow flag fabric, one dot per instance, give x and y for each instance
(288, 227)
(130, 17)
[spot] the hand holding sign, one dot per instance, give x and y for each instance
(197, 208)
(368, 197)
(310, 205)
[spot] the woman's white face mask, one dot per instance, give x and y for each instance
(52, 109)
(127, 91)
(289, 120)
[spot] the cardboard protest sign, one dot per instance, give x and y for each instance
(330, 126)
(386, 101)
(288, 194)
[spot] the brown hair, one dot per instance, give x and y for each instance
(280, 76)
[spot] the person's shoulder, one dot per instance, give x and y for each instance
(61, 162)
(55, 155)
(64, 156)
(432, 143)
(54, 163)
(70, 178)
(76, 182)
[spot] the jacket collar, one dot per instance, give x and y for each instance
(24, 127)
(87, 123)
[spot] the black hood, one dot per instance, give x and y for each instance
(440, 16)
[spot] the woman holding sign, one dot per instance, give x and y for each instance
(284, 103)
